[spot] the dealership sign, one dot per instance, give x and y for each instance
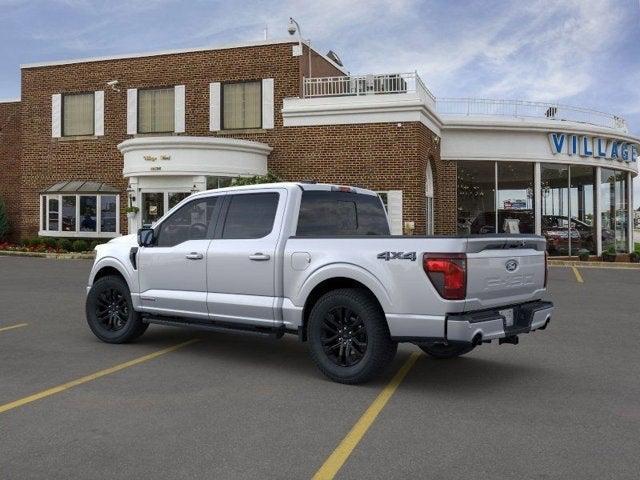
(597, 147)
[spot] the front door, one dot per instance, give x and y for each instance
(173, 273)
(242, 258)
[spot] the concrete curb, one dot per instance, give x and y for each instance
(604, 265)
(56, 256)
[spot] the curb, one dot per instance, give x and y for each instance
(55, 256)
(603, 265)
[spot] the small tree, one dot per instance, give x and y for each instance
(4, 221)
(270, 177)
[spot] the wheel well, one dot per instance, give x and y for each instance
(106, 271)
(325, 287)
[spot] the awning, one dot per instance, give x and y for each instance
(81, 186)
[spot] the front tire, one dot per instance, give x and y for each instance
(443, 352)
(348, 336)
(110, 313)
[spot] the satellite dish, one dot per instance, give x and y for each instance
(334, 56)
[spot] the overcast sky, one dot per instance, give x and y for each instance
(581, 52)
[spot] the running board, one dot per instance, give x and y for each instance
(276, 332)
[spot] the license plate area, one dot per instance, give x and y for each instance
(507, 315)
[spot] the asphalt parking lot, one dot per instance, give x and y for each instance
(565, 403)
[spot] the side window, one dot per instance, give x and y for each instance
(250, 215)
(340, 213)
(192, 221)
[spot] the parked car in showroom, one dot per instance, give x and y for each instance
(317, 261)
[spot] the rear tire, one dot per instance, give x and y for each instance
(110, 313)
(443, 352)
(348, 336)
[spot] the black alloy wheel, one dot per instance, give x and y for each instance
(344, 336)
(112, 310)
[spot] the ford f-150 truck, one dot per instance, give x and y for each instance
(317, 261)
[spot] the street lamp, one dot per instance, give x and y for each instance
(292, 29)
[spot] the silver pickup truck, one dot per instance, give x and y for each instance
(317, 261)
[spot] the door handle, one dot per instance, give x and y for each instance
(194, 256)
(259, 257)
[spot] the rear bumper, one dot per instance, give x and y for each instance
(475, 327)
(470, 327)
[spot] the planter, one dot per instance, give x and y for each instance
(609, 257)
(131, 215)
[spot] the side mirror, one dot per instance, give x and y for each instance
(146, 237)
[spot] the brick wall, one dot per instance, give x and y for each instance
(9, 160)
(377, 156)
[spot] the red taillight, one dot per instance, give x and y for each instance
(546, 268)
(448, 273)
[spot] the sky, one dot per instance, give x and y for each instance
(577, 52)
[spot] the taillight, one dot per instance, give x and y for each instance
(448, 273)
(546, 268)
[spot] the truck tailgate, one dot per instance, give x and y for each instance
(504, 270)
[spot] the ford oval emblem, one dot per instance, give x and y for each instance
(511, 265)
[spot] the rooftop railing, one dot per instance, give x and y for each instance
(526, 109)
(356, 85)
(399, 83)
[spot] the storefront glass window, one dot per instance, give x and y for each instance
(476, 197)
(69, 213)
(582, 208)
(88, 214)
(515, 198)
(108, 213)
(615, 218)
(555, 207)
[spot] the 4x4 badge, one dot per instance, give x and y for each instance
(397, 256)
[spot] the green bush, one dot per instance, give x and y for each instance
(26, 242)
(257, 179)
(95, 243)
(65, 244)
(50, 242)
(4, 221)
(80, 246)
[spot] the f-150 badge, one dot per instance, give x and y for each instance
(397, 256)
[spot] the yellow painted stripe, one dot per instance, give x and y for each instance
(577, 274)
(94, 376)
(340, 455)
(19, 325)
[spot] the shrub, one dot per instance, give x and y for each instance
(50, 242)
(257, 179)
(4, 221)
(65, 244)
(80, 246)
(26, 242)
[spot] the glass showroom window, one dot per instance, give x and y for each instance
(582, 196)
(241, 105)
(156, 110)
(78, 114)
(555, 207)
(515, 198)
(79, 215)
(615, 217)
(476, 197)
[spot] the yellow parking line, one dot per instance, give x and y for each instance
(577, 274)
(334, 463)
(94, 376)
(19, 325)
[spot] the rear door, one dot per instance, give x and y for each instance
(241, 259)
(503, 270)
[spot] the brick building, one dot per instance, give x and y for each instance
(90, 137)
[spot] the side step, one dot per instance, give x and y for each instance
(276, 332)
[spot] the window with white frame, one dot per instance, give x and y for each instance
(392, 201)
(156, 110)
(78, 114)
(241, 105)
(79, 215)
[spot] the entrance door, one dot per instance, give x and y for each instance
(173, 272)
(242, 258)
(152, 207)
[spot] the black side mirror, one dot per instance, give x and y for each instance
(146, 237)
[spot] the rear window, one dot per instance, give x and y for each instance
(341, 213)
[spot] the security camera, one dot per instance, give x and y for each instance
(113, 84)
(292, 27)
